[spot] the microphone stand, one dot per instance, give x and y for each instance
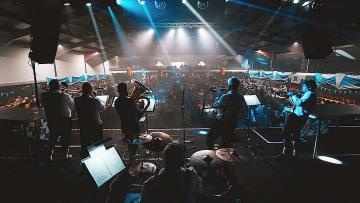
(183, 116)
(183, 123)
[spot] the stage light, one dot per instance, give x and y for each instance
(141, 2)
(118, 2)
(160, 4)
(184, 1)
(306, 3)
(151, 30)
(330, 160)
(202, 4)
(201, 29)
(88, 4)
(344, 54)
(172, 31)
(67, 4)
(59, 45)
(296, 43)
(202, 132)
(296, 1)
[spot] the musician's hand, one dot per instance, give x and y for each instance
(141, 105)
(290, 94)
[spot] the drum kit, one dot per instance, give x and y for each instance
(209, 164)
(155, 142)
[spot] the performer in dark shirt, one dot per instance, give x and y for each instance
(58, 109)
(174, 183)
(303, 107)
(229, 107)
(129, 115)
(88, 110)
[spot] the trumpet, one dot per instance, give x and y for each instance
(136, 95)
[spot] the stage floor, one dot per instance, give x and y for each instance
(263, 178)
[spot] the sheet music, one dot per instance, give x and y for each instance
(113, 161)
(113, 104)
(103, 99)
(95, 166)
(251, 100)
(96, 151)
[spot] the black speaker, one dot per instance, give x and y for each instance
(316, 44)
(45, 28)
(316, 39)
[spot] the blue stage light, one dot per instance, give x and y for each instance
(118, 2)
(141, 2)
(202, 132)
(88, 4)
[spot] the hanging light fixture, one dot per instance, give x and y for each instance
(202, 4)
(160, 4)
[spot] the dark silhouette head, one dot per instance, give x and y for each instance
(233, 83)
(173, 156)
(311, 84)
(54, 85)
(87, 88)
(122, 89)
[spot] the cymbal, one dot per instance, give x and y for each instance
(230, 155)
(163, 136)
(143, 168)
(158, 142)
(141, 138)
(145, 138)
(205, 160)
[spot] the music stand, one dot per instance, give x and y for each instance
(151, 108)
(102, 164)
(251, 101)
(103, 99)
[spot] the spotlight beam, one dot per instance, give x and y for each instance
(97, 32)
(295, 18)
(153, 26)
(124, 44)
(269, 22)
(216, 35)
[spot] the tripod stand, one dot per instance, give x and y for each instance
(251, 102)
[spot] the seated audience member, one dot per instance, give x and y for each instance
(174, 183)
(88, 109)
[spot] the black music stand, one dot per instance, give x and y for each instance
(150, 109)
(251, 101)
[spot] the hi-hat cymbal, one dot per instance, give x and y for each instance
(205, 160)
(158, 142)
(145, 138)
(230, 155)
(141, 138)
(143, 168)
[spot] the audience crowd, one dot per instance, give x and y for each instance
(195, 90)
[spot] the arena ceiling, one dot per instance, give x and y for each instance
(247, 26)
